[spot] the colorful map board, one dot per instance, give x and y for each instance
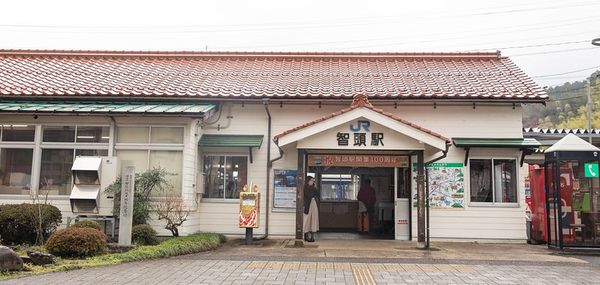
(446, 185)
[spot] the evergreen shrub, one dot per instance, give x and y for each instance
(143, 235)
(77, 242)
(87, 224)
(19, 223)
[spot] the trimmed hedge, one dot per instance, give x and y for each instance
(143, 235)
(172, 247)
(18, 222)
(77, 242)
(87, 224)
(176, 246)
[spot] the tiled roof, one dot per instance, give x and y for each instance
(360, 101)
(466, 76)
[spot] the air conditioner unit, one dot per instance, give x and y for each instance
(91, 176)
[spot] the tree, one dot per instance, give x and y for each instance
(152, 181)
(173, 210)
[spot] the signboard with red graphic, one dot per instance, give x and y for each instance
(249, 210)
(537, 203)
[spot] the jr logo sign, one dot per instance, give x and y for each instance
(360, 125)
(360, 137)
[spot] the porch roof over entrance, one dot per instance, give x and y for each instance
(362, 108)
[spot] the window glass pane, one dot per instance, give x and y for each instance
(92, 134)
(18, 133)
(480, 171)
(91, 152)
(172, 162)
(135, 158)
(55, 175)
(15, 170)
(214, 174)
(338, 187)
(59, 134)
(225, 176)
(132, 134)
(167, 135)
(236, 175)
(505, 179)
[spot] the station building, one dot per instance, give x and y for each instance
(222, 120)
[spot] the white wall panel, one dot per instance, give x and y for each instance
(449, 121)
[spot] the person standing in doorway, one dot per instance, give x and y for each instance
(311, 209)
(366, 194)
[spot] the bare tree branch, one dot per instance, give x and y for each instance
(173, 210)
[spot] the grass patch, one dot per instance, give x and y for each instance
(170, 247)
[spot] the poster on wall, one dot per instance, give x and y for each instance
(446, 185)
(285, 188)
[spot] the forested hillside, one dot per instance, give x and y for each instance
(566, 107)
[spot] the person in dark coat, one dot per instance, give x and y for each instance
(311, 209)
(367, 195)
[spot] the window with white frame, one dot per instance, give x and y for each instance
(224, 176)
(493, 180)
(60, 145)
(147, 147)
(16, 158)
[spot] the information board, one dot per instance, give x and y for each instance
(285, 188)
(446, 185)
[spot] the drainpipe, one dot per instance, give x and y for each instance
(114, 136)
(265, 102)
(444, 153)
(280, 154)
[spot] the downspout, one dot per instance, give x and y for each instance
(114, 136)
(111, 150)
(197, 168)
(280, 154)
(444, 153)
(265, 102)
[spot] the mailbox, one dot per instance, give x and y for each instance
(249, 207)
(91, 175)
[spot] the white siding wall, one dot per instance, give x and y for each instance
(479, 221)
(450, 121)
(222, 216)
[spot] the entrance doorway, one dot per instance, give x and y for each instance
(342, 216)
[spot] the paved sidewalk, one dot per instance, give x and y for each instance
(192, 271)
(327, 262)
(365, 250)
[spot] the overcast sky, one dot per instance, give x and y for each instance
(543, 37)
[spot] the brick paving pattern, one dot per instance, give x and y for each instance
(186, 270)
